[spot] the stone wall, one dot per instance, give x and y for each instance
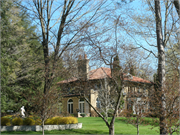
(39, 128)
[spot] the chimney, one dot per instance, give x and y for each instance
(115, 66)
(83, 68)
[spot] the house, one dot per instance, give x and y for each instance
(90, 82)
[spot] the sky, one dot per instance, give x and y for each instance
(127, 34)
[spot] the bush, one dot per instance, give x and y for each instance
(17, 121)
(48, 122)
(72, 115)
(8, 116)
(38, 122)
(59, 120)
(94, 114)
(28, 122)
(69, 120)
(53, 121)
(126, 113)
(65, 120)
(153, 115)
(74, 120)
(83, 114)
(103, 114)
(5, 122)
(110, 113)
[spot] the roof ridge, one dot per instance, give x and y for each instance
(103, 72)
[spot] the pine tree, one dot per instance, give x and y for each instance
(19, 56)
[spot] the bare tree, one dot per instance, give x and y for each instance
(161, 67)
(60, 24)
(138, 111)
(158, 37)
(106, 97)
(116, 86)
(177, 6)
(48, 102)
(171, 91)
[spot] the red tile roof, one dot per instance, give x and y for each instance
(103, 72)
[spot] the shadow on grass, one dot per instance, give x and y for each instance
(69, 131)
(152, 122)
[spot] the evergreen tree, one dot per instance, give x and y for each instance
(20, 55)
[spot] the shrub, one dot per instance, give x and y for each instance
(38, 122)
(8, 116)
(103, 114)
(126, 113)
(28, 122)
(53, 121)
(153, 115)
(35, 117)
(69, 120)
(65, 120)
(48, 122)
(110, 113)
(74, 120)
(83, 114)
(17, 121)
(94, 114)
(56, 120)
(5, 122)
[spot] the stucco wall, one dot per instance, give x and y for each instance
(94, 95)
(75, 104)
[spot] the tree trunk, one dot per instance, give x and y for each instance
(111, 127)
(137, 125)
(177, 6)
(43, 128)
(161, 67)
(111, 130)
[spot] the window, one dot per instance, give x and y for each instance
(98, 103)
(81, 105)
(70, 106)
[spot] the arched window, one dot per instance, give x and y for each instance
(70, 106)
(81, 105)
(98, 103)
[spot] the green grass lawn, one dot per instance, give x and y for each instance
(95, 125)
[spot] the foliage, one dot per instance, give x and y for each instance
(8, 116)
(5, 121)
(29, 122)
(83, 114)
(38, 122)
(17, 121)
(69, 120)
(20, 54)
(61, 120)
(110, 112)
